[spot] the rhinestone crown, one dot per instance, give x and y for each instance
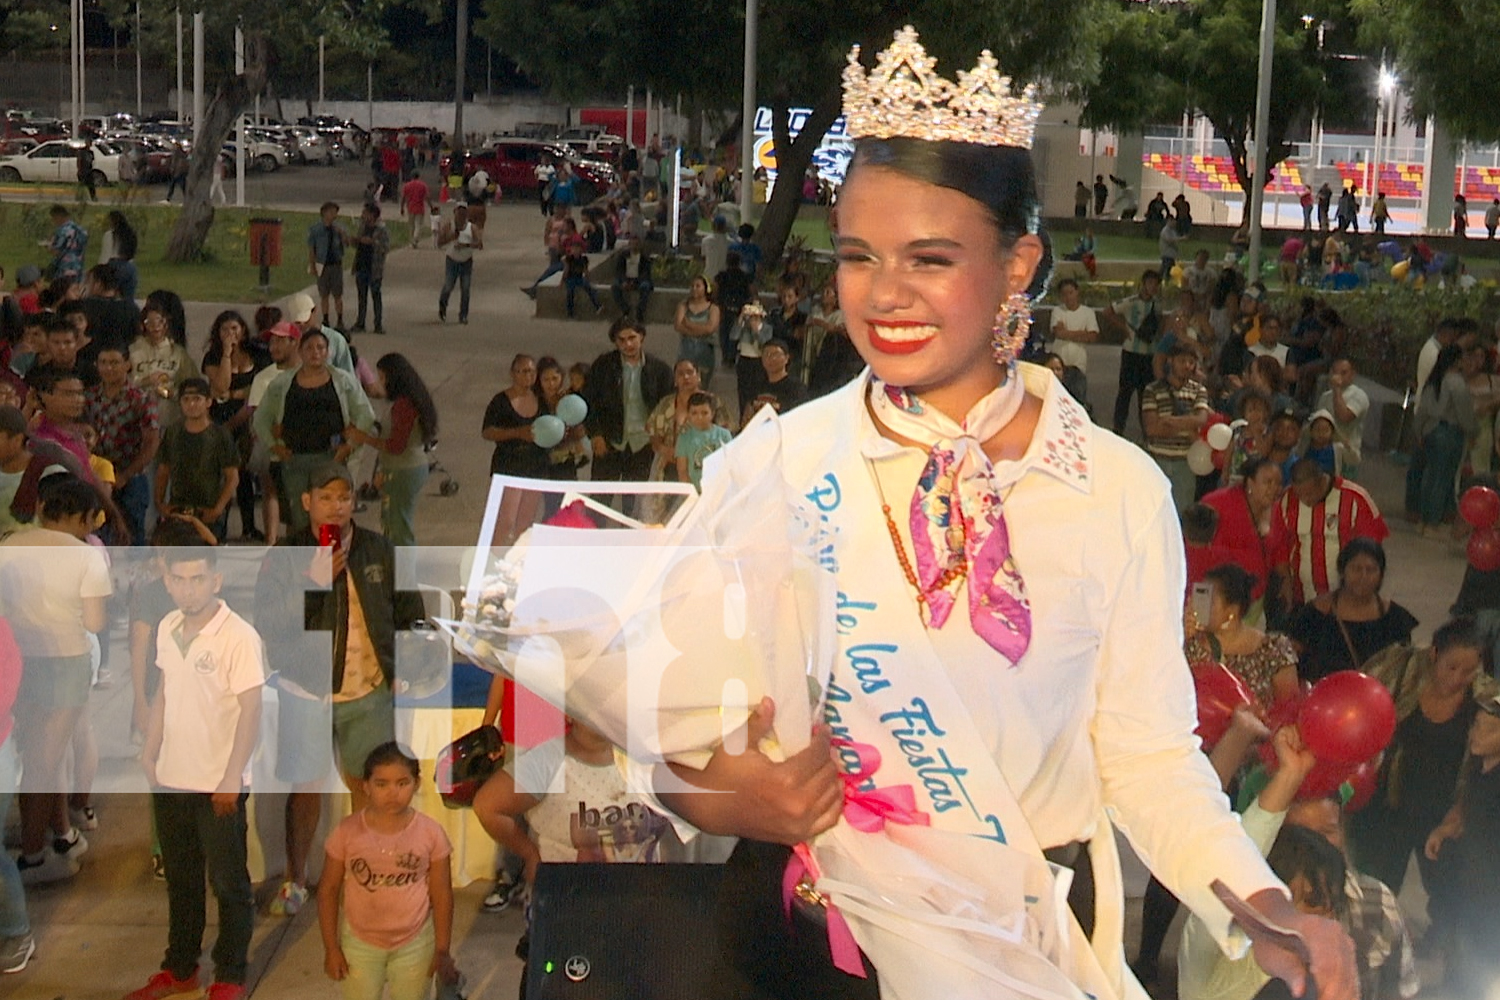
(906, 98)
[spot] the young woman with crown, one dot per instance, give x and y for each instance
(1009, 644)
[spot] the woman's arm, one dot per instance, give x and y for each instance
(330, 889)
(218, 377)
(440, 897)
(1143, 742)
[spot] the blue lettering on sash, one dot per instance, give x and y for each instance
(863, 659)
(913, 728)
(826, 497)
(847, 620)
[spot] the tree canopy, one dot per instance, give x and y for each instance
(1446, 56)
(694, 47)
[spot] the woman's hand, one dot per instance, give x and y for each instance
(1439, 837)
(786, 803)
(1328, 946)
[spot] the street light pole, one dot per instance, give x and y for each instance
(461, 57)
(82, 50)
(239, 125)
(137, 40)
(747, 113)
(73, 18)
(197, 76)
(179, 63)
(320, 74)
(1262, 126)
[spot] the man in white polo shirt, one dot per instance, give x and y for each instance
(203, 729)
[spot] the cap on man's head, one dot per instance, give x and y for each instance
(28, 274)
(193, 387)
(291, 331)
(1322, 415)
(1252, 293)
(329, 472)
(299, 307)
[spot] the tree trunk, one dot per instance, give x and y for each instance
(232, 99)
(792, 158)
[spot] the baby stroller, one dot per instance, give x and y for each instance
(369, 492)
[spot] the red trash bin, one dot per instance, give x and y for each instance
(265, 242)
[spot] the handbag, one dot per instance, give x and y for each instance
(464, 765)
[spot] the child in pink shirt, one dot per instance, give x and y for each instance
(389, 867)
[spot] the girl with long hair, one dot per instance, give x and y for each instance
(230, 364)
(404, 466)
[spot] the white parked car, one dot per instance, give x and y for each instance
(313, 146)
(58, 161)
(262, 155)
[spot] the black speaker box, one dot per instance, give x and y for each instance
(629, 932)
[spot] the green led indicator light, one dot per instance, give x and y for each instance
(548, 968)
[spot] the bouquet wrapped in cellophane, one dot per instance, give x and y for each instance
(661, 637)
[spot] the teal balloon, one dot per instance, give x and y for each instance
(547, 431)
(572, 410)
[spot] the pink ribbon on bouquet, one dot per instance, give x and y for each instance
(867, 810)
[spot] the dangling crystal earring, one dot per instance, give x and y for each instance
(1012, 326)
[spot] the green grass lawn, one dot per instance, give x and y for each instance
(225, 275)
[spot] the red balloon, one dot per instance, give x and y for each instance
(1480, 506)
(1348, 717)
(1324, 779)
(1220, 692)
(1213, 418)
(1363, 780)
(1484, 549)
(1221, 459)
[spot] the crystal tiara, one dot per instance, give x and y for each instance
(906, 98)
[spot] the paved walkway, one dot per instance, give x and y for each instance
(103, 933)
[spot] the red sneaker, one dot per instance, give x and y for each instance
(164, 985)
(226, 991)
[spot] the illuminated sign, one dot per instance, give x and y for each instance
(831, 157)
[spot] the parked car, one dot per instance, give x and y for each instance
(350, 139)
(58, 161)
(312, 146)
(592, 141)
(512, 162)
(261, 155)
(155, 155)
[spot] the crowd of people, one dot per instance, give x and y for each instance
(111, 431)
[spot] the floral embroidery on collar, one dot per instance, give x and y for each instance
(1067, 443)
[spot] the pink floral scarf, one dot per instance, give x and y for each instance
(956, 512)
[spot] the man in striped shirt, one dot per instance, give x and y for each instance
(1314, 520)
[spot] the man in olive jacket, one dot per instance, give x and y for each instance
(329, 614)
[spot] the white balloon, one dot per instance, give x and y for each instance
(1219, 436)
(547, 431)
(572, 410)
(1200, 458)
